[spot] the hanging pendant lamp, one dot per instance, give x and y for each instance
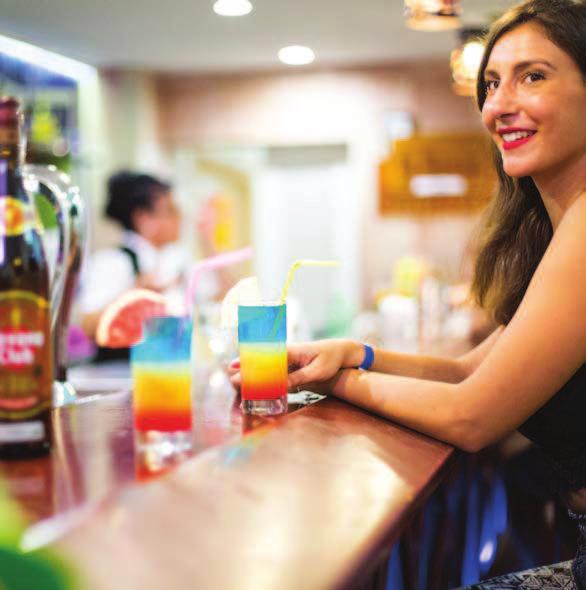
(465, 61)
(433, 15)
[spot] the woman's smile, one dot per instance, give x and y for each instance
(513, 138)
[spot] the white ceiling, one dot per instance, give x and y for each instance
(186, 34)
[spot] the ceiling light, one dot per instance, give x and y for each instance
(232, 7)
(433, 15)
(465, 61)
(296, 55)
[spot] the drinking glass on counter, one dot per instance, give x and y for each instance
(262, 340)
(161, 373)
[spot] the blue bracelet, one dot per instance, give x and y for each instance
(368, 358)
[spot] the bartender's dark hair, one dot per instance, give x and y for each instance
(516, 228)
(130, 191)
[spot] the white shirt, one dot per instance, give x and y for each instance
(109, 272)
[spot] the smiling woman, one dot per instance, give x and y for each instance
(531, 93)
(530, 374)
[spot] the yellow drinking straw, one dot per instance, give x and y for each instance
(297, 264)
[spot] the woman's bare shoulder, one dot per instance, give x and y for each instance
(575, 214)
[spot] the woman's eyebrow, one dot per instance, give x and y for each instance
(521, 66)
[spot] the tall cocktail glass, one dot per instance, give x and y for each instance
(262, 342)
(161, 373)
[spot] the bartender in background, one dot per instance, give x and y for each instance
(148, 255)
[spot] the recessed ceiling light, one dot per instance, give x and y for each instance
(232, 7)
(296, 55)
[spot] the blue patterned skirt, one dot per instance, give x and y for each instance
(568, 575)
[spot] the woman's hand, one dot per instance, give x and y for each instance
(234, 373)
(316, 362)
(313, 363)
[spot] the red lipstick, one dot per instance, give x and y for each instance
(511, 145)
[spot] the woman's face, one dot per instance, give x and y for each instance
(160, 225)
(535, 105)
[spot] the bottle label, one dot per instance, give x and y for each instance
(25, 355)
(22, 432)
(16, 217)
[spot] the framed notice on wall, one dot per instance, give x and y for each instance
(437, 173)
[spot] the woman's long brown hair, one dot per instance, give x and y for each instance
(516, 229)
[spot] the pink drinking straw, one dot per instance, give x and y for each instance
(211, 263)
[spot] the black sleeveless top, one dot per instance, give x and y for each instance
(118, 354)
(559, 430)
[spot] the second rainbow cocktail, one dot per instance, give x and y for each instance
(262, 340)
(162, 397)
(161, 373)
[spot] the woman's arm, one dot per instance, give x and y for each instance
(319, 361)
(529, 361)
(431, 368)
(472, 359)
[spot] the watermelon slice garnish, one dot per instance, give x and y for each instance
(120, 324)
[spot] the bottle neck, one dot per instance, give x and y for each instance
(11, 183)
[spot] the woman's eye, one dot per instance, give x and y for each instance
(532, 77)
(490, 85)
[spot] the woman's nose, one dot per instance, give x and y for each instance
(501, 104)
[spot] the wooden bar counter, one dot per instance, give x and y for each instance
(310, 500)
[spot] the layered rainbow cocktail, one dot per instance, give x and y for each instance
(262, 341)
(161, 373)
(162, 396)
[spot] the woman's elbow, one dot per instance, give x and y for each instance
(467, 433)
(471, 445)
